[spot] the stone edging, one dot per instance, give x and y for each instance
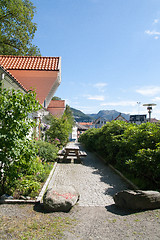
(39, 199)
(133, 186)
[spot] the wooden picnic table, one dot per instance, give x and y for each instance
(71, 152)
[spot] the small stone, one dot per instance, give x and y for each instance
(23, 197)
(28, 198)
(10, 197)
(5, 196)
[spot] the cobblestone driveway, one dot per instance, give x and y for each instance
(95, 181)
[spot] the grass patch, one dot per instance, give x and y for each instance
(36, 226)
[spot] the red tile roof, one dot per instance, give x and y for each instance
(29, 63)
(57, 112)
(56, 107)
(86, 123)
(57, 103)
(33, 73)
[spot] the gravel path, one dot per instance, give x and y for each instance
(94, 217)
(112, 223)
(94, 180)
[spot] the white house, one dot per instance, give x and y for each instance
(24, 73)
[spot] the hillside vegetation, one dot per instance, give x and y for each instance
(109, 115)
(79, 116)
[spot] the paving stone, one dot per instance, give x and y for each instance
(94, 180)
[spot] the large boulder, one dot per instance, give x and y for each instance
(60, 199)
(137, 200)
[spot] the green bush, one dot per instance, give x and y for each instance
(29, 182)
(15, 127)
(60, 128)
(27, 186)
(88, 138)
(146, 165)
(47, 151)
(133, 149)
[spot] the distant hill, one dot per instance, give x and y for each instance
(80, 116)
(109, 115)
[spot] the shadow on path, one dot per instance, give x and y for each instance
(107, 175)
(122, 212)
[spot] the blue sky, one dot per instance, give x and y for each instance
(110, 52)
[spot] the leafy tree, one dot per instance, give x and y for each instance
(69, 115)
(58, 130)
(56, 98)
(61, 127)
(16, 28)
(15, 126)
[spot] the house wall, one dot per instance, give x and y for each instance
(8, 82)
(73, 136)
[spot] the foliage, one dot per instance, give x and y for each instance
(149, 161)
(68, 115)
(47, 151)
(27, 186)
(110, 137)
(88, 138)
(60, 128)
(133, 149)
(30, 179)
(15, 147)
(56, 98)
(16, 28)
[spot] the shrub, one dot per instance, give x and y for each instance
(47, 151)
(146, 165)
(14, 128)
(27, 186)
(29, 181)
(89, 137)
(133, 149)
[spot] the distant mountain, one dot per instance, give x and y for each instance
(80, 116)
(109, 115)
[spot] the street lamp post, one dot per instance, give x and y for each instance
(149, 108)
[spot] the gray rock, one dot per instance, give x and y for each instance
(5, 196)
(137, 200)
(60, 199)
(28, 197)
(22, 197)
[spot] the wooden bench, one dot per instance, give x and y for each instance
(71, 154)
(82, 154)
(61, 152)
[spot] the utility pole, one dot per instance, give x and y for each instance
(138, 107)
(149, 108)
